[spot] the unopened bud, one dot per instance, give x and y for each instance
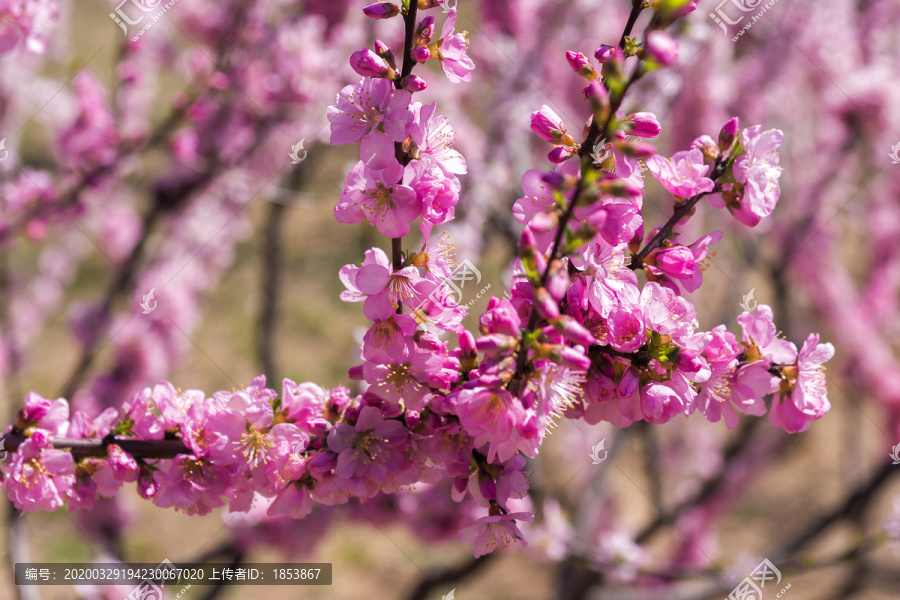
(728, 133)
(636, 149)
(545, 304)
(549, 127)
(574, 331)
(561, 154)
(382, 10)
(616, 186)
(644, 124)
(369, 64)
(598, 96)
(707, 146)
(385, 52)
(421, 54)
(413, 83)
(607, 53)
(662, 48)
(557, 280)
(425, 30)
(581, 65)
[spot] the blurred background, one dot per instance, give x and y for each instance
(165, 165)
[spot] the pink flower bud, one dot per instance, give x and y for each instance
(496, 343)
(574, 331)
(615, 186)
(413, 83)
(636, 149)
(421, 54)
(381, 10)
(413, 419)
(707, 146)
(662, 48)
(466, 342)
(581, 65)
(545, 304)
(549, 127)
(356, 373)
(558, 280)
(385, 52)
(368, 64)
(527, 242)
(561, 154)
(728, 133)
(425, 30)
(573, 359)
(607, 53)
(644, 124)
(597, 94)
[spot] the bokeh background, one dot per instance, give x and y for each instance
(165, 165)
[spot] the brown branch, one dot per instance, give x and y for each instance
(447, 576)
(96, 447)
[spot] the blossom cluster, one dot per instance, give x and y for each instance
(578, 336)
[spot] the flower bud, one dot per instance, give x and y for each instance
(425, 31)
(574, 331)
(644, 124)
(598, 96)
(572, 359)
(636, 149)
(545, 304)
(607, 53)
(421, 54)
(707, 146)
(728, 133)
(662, 48)
(549, 127)
(496, 343)
(413, 83)
(368, 64)
(581, 65)
(557, 280)
(616, 186)
(561, 154)
(385, 52)
(634, 246)
(381, 10)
